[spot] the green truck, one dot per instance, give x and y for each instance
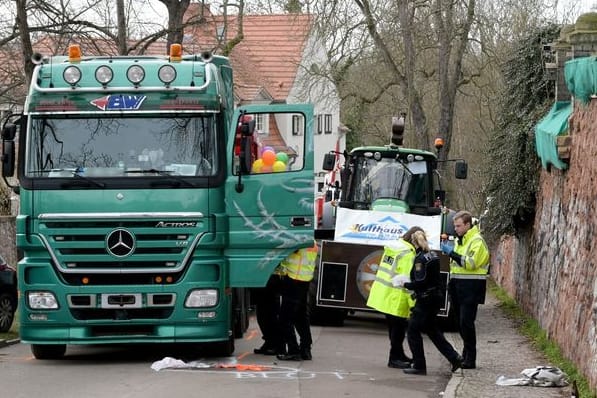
(143, 215)
(383, 191)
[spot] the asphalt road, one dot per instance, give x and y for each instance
(348, 361)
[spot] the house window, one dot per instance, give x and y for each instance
(319, 124)
(261, 123)
(297, 127)
(328, 124)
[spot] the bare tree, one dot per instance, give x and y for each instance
(23, 29)
(176, 11)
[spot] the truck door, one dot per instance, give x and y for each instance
(269, 189)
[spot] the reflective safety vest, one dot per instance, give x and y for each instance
(475, 256)
(384, 297)
(300, 265)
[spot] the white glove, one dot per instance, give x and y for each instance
(400, 280)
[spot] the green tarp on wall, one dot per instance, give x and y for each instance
(553, 124)
(581, 77)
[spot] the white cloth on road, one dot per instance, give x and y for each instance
(173, 363)
(539, 376)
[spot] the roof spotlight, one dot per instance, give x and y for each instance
(167, 74)
(71, 75)
(135, 74)
(104, 74)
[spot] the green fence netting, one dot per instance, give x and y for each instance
(553, 124)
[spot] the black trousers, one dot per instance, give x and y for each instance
(267, 307)
(423, 319)
(294, 314)
(466, 295)
(397, 332)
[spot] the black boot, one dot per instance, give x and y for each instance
(289, 357)
(265, 349)
(457, 364)
(415, 371)
(399, 364)
(306, 354)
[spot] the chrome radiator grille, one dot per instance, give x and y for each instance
(120, 243)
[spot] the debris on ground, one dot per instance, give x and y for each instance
(539, 376)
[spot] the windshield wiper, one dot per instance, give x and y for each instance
(164, 173)
(48, 171)
(90, 180)
(74, 173)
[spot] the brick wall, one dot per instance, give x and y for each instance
(551, 271)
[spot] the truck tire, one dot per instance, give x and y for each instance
(240, 311)
(48, 351)
(223, 348)
(7, 312)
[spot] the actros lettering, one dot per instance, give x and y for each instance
(185, 224)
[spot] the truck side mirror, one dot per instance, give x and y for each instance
(8, 158)
(247, 128)
(245, 160)
(461, 170)
(329, 161)
(9, 132)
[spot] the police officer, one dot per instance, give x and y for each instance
(429, 292)
(469, 267)
(394, 302)
(267, 307)
(299, 268)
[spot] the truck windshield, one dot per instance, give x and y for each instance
(388, 178)
(121, 146)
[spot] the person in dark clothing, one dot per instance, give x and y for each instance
(469, 268)
(294, 315)
(267, 306)
(429, 293)
(299, 268)
(392, 299)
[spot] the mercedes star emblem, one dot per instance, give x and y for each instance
(120, 243)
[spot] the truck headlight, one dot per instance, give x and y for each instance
(202, 298)
(42, 301)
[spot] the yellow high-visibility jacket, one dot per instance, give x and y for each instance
(397, 259)
(474, 256)
(300, 265)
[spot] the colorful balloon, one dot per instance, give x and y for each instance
(279, 166)
(268, 157)
(267, 148)
(257, 166)
(282, 157)
(266, 169)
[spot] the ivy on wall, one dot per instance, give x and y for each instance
(512, 168)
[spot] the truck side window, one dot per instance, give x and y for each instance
(277, 144)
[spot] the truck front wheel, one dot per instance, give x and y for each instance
(223, 348)
(48, 351)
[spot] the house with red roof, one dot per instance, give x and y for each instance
(275, 61)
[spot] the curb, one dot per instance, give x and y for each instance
(4, 343)
(450, 391)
